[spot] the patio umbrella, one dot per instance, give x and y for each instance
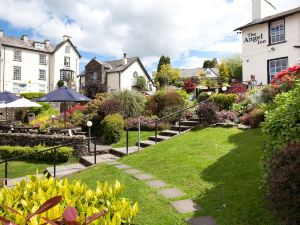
(5, 98)
(22, 103)
(64, 95)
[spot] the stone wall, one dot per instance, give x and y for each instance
(19, 139)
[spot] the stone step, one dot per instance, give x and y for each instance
(189, 123)
(100, 159)
(12, 182)
(194, 119)
(169, 133)
(122, 151)
(146, 143)
(182, 128)
(65, 170)
(159, 138)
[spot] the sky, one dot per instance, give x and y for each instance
(188, 31)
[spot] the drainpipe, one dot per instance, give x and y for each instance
(119, 81)
(49, 71)
(3, 68)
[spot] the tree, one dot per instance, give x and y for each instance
(210, 63)
(234, 65)
(141, 83)
(167, 70)
(60, 83)
(224, 71)
(92, 88)
(163, 61)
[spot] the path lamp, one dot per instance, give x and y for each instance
(209, 93)
(224, 88)
(89, 125)
(52, 119)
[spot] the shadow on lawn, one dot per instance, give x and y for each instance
(236, 198)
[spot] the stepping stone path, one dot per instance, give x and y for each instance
(181, 206)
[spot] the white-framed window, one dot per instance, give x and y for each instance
(39, 45)
(42, 59)
(66, 75)
(16, 88)
(276, 66)
(67, 61)
(277, 32)
(42, 88)
(94, 76)
(42, 74)
(134, 79)
(16, 73)
(19, 87)
(67, 49)
(17, 55)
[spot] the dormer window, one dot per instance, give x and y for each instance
(277, 32)
(39, 45)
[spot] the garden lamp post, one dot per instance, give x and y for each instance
(209, 93)
(224, 88)
(89, 125)
(52, 119)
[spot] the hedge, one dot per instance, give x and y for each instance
(63, 154)
(113, 125)
(31, 95)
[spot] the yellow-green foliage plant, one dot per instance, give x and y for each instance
(27, 197)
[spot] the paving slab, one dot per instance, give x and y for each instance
(65, 170)
(185, 206)
(114, 163)
(171, 193)
(123, 151)
(132, 171)
(202, 220)
(156, 184)
(122, 166)
(12, 182)
(143, 176)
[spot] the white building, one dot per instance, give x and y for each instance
(34, 66)
(116, 75)
(270, 44)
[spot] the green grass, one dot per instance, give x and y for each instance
(217, 167)
(132, 138)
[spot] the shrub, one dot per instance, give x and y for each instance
(208, 112)
(163, 80)
(238, 89)
(132, 101)
(147, 124)
(253, 118)
(110, 106)
(76, 107)
(268, 93)
(32, 95)
(63, 154)
(195, 79)
(241, 107)
(179, 83)
(141, 83)
(113, 126)
(27, 196)
(183, 94)
(189, 86)
(93, 106)
(202, 96)
(44, 107)
(227, 116)
(282, 123)
(284, 184)
(224, 101)
(285, 80)
(60, 83)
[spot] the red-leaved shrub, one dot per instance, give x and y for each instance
(253, 118)
(147, 124)
(238, 89)
(75, 108)
(189, 86)
(227, 116)
(284, 184)
(208, 112)
(110, 106)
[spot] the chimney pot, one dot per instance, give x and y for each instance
(24, 38)
(256, 10)
(124, 60)
(1, 33)
(66, 37)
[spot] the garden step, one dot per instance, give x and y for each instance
(159, 138)
(189, 123)
(147, 143)
(194, 119)
(12, 182)
(65, 170)
(122, 150)
(100, 159)
(183, 128)
(169, 133)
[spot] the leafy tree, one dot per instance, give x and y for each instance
(167, 70)
(163, 80)
(141, 83)
(92, 88)
(224, 71)
(210, 63)
(234, 65)
(163, 61)
(60, 83)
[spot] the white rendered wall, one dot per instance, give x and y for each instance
(256, 56)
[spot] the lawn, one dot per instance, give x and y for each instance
(132, 138)
(217, 167)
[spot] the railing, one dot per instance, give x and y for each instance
(159, 120)
(54, 152)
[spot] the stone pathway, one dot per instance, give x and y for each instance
(181, 206)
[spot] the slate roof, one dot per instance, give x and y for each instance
(29, 44)
(117, 64)
(186, 73)
(271, 18)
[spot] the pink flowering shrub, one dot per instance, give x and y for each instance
(285, 80)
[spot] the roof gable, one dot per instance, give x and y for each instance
(58, 46)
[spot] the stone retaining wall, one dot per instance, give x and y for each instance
(18, 139)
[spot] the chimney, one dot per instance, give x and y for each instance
(124, 59)
(1, 33)
(24, 38)
(66, 37)
(47, 43)
(256, 10)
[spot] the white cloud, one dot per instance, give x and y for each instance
(139, 27)
(193, 62)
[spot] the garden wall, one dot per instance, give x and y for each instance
(48, 140)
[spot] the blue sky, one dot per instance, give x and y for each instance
(188, 31)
